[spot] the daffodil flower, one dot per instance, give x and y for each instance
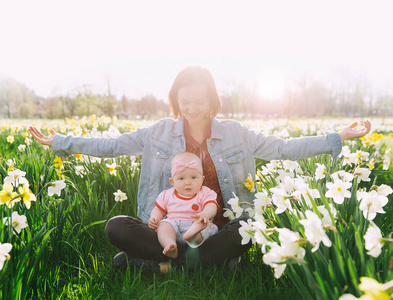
(10, 139)
(58, 163)
(56, 187)
(4, 250)
(112, 168)
(16, 177)
(338, 190)
(372, 203)
(7, 195)
(17, 222)
(373, 240)
(314, 231)
(249, 184)
(26, 195)
(120, 196)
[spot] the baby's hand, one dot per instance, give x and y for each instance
(153, 223)
(202, 218)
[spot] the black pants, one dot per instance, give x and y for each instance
(139, 241)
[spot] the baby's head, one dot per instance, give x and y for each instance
(187, 174)
(185, 160)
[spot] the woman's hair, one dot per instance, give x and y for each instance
(193, 75)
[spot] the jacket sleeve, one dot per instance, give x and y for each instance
(271, 147)
(126, 144)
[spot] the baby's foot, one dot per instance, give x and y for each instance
(194, 229)
(170, 251)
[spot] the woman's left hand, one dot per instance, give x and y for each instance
(349, 132)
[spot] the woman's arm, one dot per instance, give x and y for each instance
(126, 144)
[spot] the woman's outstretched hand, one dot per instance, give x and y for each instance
(349, 132)
(39, 137)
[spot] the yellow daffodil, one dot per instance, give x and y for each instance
(27, 195)
(391, 135)
(249, 184)
(58, 162)
(59, 174)
(373, 288)
(8, 196)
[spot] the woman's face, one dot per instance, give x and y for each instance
(194, 103)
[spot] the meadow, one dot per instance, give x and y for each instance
(321, 229)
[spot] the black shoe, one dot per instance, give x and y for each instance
(234, 263)
(120, 262)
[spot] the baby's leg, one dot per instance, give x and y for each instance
(167, 238)
(194, 232)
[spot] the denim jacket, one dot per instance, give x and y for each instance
(232, 147)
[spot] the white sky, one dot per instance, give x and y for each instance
(55, 47)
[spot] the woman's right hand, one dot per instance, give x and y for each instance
(39, 137)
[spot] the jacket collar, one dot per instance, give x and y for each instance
(178, 129)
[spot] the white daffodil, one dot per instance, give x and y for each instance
(112, 168)
(16, 177)
(373, 240)
(80, 171)
(371, 203)
(4, 253)
(260, 229)
(273, 165)
(384, 190)
(326, 218)
(362, 174)
(228, 213)
(246, 231)
(282, 174)
(281, 199)
(21, 147)
(314, 231)
(320, 172)
(348, 157)
(17, 222)
(276, 258)
(292, 166)
(120, 196)
(303, 189)
(386, 159)
(342, 175)
(278, 255)
(235, 206)
(261, 200)
(362, 156)
(56, 187)
(338, 190)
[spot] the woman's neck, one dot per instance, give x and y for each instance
(197, 130)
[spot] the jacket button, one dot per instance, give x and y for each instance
(225, 180)
(220, 160)
(212, 143)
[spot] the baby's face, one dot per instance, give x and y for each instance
(187, 182)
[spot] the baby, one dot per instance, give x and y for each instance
(188, 206)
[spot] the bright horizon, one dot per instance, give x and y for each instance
(56, 47)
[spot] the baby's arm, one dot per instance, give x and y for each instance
(156, 216)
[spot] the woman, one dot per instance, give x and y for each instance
(227, 150)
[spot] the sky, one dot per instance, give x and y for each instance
(138, 47)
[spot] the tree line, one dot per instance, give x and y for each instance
(304, 97)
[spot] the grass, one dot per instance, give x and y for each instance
(96, 279)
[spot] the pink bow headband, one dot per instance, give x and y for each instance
(180, 166)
